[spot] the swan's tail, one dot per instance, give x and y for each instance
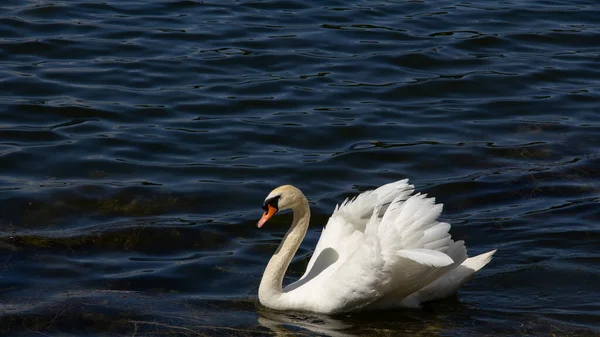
(477, 262)
(448, 284)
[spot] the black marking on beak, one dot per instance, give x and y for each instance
(274, 201)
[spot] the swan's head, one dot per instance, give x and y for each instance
(282, 198)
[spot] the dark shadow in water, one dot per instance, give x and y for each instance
(380, 323)
(286, 323)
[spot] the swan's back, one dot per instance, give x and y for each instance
(380, 250)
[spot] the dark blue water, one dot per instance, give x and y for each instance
(138, 140)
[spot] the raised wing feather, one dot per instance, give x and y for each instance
(389, 245)
(346, 226)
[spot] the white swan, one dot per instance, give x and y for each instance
(382, 249)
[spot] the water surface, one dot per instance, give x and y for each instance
(138, 140)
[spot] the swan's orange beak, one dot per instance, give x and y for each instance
(267, 215)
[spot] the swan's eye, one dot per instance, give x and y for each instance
(273, 202)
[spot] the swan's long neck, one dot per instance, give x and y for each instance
(270, 288)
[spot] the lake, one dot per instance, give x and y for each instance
(138, 140)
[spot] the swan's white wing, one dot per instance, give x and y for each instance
(345, 229)
(413, 248)
(385, 261)
(413, 225)
(426, 257)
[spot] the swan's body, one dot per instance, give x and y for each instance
(383, 249)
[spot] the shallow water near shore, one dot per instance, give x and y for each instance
(139, 139)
